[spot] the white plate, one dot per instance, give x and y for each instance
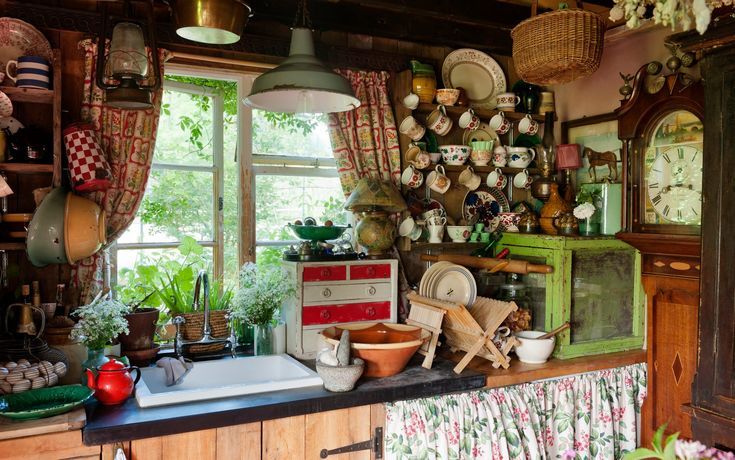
(427, 274)
(476, 72)
(432, 278)
(455, 284)
(18, 38)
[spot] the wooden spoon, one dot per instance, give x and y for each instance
(553, 332)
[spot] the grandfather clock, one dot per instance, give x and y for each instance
(661, 126)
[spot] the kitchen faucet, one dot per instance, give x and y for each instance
(202, 284)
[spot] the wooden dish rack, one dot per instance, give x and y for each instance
(470, 330)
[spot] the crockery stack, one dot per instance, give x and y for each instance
(20, 376)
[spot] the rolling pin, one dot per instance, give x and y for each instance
(521, 267)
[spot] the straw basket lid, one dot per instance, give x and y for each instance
(559, 46)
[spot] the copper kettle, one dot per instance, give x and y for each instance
(25, 323)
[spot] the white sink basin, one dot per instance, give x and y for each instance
(223, 378)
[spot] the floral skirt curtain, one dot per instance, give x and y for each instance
(590, 416)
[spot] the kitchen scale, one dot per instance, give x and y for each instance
(315, 245)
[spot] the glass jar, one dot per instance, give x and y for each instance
(424, 81)
(263, 339)
(514, 290)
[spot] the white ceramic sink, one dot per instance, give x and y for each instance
(224, 378)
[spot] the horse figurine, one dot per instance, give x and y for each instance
(596, 159)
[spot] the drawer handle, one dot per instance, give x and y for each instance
(370, 311)
(326, 273)
(371, 271)
(325, 314)
(372, 290)
(327, 292)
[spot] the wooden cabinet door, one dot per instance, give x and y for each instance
(673, 305)
(305, 436)
(238, 442)
(53, 446)
(714, 387)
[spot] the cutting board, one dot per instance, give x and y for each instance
(11, 429)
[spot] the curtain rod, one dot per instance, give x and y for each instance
(220, 60)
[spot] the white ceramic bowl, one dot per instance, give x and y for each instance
(459, 233)
(455, 154)
(532, 350)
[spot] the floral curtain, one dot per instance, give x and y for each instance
(128, 138)
(365, 140)
(589, 416)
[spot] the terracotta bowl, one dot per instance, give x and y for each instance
(385, 348)
(84, 232)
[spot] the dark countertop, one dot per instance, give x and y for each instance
(107, 424)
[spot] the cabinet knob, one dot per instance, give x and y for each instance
(327, 292)
(371, 290)
(325, 314)
(370, 311)
(326, 272)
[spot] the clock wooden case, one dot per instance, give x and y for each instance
(662, 133)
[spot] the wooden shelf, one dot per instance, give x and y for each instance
(482, 169)
(523, 373)
(35, 95)
(485, 114)
(425, 245)
(27, 168)
(14, 246)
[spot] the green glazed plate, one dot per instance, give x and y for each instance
(43, 402)
(317, 232)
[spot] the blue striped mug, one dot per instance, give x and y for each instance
(29, 72)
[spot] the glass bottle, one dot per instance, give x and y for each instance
(547, 155)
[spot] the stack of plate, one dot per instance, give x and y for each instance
(449, 282)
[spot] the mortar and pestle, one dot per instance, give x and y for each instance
(336, 369)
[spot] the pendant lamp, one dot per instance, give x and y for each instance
(302, 83)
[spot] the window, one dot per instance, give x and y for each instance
(227, 178)
(295, 177)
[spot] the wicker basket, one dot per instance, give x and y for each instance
(558, 47)
(192, 330)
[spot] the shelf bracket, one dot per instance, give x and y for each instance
(375, 444)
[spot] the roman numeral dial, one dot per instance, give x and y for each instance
(674, 186)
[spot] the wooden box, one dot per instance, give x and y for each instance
(596, 286)
(337, 293)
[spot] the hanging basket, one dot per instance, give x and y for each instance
(558, 47)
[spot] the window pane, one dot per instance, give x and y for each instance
(284, 199)
(185, 129)
(269, 256)
(288, 137)
(176, 204)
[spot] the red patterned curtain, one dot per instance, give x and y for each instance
(365, 140)
(128, 138)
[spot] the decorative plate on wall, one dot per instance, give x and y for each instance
(486, 203)
(476, 72)
(18, 38)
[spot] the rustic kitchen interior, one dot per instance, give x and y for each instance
(245, 229)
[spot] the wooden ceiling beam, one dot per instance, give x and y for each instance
(478, 13)
(354, 18)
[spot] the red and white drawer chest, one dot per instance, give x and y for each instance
(335, 293)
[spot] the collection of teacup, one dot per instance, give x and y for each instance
(440, 123)
(480, 153)
(432, 224)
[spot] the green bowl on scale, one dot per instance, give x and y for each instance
(318, 232)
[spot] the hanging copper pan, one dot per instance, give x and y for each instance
(217, 22)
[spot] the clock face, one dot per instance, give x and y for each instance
(673, 171)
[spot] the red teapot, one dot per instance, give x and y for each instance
(113, 383)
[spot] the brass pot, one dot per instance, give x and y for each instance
(217, 22)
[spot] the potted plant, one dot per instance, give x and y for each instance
(587, 202)
(100, 322)
(258, 301)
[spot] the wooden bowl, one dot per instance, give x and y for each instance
(385, 348)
